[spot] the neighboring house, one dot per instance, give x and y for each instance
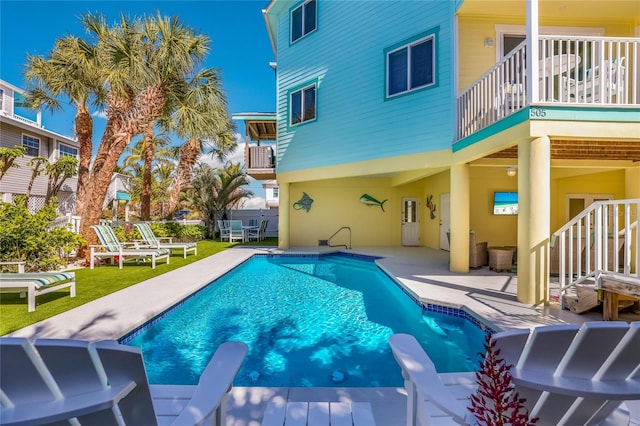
(17, 129)
(260, 151)
(401, 120)
(271, 197)
(119, 191)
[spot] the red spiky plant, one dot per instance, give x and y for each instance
(496, 403)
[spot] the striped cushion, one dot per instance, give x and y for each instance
(147, 234)
(41, 278)
(107, 237)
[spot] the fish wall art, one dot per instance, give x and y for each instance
(303, 203)
(370, 201)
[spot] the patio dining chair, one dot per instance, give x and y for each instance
(256, 233)
(223, 226)
(597, 85)
(236, 233)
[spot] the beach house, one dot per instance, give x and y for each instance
(23, 127)
(440, 123)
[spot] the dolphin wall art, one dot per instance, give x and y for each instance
(370, 201)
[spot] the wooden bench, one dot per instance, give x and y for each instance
(318, 414)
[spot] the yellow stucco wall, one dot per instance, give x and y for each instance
(434, 185)
(612, 182)
(337, 204)
(497, 230)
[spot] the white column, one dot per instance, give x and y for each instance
(534, 209)
(459, 213)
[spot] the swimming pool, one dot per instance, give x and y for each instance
(321, 321)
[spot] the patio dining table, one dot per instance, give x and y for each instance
(246, 229)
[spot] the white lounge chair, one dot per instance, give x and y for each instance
(151, 241)
(36, 284)
(110, 248)
(105, 383)
(568, 374)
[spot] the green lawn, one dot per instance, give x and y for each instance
(93, 284)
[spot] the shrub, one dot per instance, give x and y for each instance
(27, 237)
(496, 403)
(175, 230)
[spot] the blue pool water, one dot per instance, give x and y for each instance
(308, 321)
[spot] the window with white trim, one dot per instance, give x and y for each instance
(1, 100)
(302, 105)
(411, 66)
(275, 192)
(67, 151)
(303, 20)
(32, 144)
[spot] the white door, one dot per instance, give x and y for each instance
(410, 222)
(445, 221)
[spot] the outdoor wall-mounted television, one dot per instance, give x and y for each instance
(505, 203)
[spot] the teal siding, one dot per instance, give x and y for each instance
(346, 55)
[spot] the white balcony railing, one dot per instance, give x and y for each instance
(582, 71)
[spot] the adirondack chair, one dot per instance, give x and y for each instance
(105, 383)
(569, 375)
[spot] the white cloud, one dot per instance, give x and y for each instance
(253, 203)
(100, 114)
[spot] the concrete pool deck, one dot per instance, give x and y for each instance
(423, 272)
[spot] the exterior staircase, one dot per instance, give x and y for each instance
(599, 257)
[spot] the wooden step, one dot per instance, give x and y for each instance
(584, 299)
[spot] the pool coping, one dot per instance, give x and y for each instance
(117, 314)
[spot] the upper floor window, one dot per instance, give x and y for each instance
(302, 105)
(1, 100)
(66, 150)
(411, 66)
(303, 19)
(32, 144)
(275, 192)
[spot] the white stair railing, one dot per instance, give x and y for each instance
(602, 238)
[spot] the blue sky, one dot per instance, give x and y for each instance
(240, 48)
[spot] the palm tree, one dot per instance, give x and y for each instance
(151, 151)
(201, 117)
(164, 173)
(72, 70)
(214, 191)
(136, 165)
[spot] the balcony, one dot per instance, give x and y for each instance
(575, 72)
(260, 162)
(259, 157)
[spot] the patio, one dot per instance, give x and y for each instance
(422, 271)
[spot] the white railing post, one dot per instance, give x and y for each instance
(532, 51)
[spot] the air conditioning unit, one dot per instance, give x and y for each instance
(261, 157)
